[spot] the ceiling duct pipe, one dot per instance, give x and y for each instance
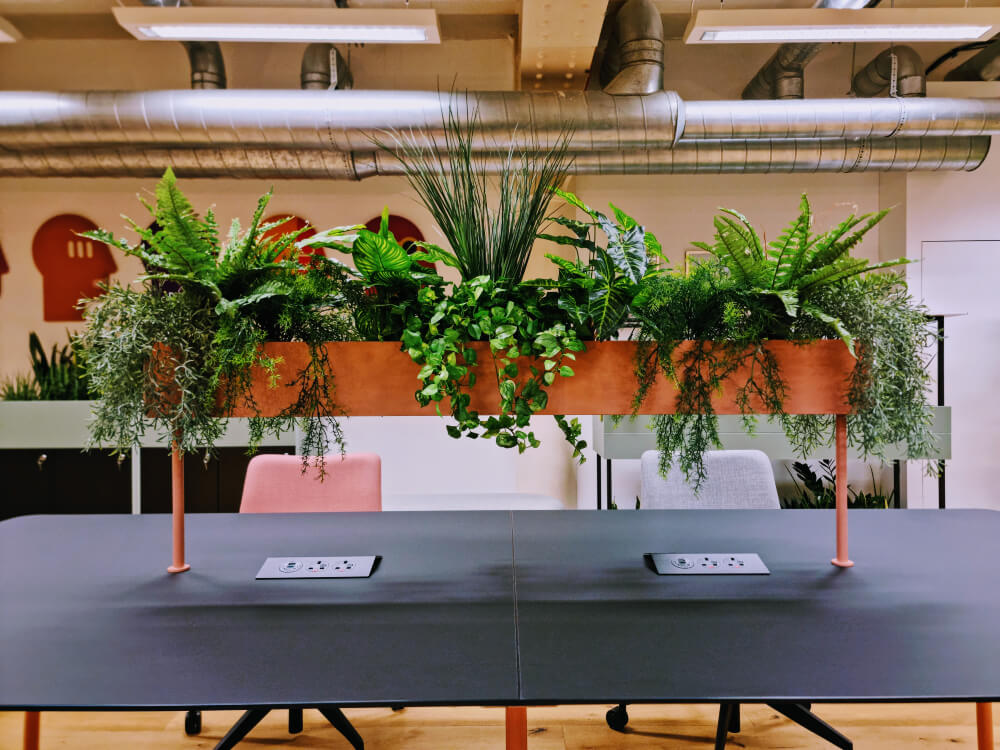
(898, 68)
(706, 157)
(637, 42)
(782, 77)
(323, 67)
(208, 71)
(348, 120)
(836, 118)
(984, 66)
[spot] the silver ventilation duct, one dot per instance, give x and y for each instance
(208, 71)
(782, 77)
(902, 63)
(323, 67)
(638, 32)
(334, 134)
(350, 121)
(702, 157)
(983, 66)
(838, 118)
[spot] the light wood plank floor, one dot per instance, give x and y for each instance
(886, 727)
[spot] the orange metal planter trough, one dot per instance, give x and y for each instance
(378, 379)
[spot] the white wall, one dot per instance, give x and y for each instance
(950, 207)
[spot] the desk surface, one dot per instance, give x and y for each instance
(918, 618)
(89, 617)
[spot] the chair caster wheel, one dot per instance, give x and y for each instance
(192, 722)
(617, 718)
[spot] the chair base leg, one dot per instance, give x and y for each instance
(242, 728)
(336, 717)
(805, 718)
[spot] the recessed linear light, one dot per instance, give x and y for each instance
(835, 25)
(225, 24)
(8, 33)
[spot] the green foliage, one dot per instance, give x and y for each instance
(176, 350)
(817, 489)
(20, 387)
(489, 236)
(798, 265)
(517, 322)
(889, 385)
(56, 376)
(598, 296)
(803, 287)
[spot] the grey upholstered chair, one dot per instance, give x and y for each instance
(734, 480)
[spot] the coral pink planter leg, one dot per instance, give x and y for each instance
(177, 482)
(841, 560)
(32, 728)
(984, 726)
(517, 728)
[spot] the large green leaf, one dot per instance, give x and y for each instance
(628, 251)
(375, 254)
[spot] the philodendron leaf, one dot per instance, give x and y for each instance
(628, 251)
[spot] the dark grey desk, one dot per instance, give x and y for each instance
(90, 619)
(917, 619)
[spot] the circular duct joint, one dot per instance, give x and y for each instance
(876, 76)
(788, 85)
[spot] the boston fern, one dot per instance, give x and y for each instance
(801, 286)
(159, 355)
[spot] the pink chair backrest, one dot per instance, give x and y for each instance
(276, 484)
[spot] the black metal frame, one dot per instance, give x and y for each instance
(253, 717)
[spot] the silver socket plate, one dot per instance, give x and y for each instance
(320, 566)
(708, 563)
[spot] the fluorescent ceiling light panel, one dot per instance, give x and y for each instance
(8, 33)
(833, 25)
(225, 24)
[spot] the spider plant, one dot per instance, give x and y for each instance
(489, 221)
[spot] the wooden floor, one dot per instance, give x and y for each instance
(886, 727)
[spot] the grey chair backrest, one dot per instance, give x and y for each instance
(735, 479)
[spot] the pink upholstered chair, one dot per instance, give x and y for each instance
(277, 484)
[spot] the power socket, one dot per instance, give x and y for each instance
(705, 563)
(329, 566)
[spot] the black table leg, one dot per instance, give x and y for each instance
(734, 719)
(294, 720)
(336, 717)
(598, 462)
(241, 728)
(726, 711)
(611, 497)
(808, 720)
